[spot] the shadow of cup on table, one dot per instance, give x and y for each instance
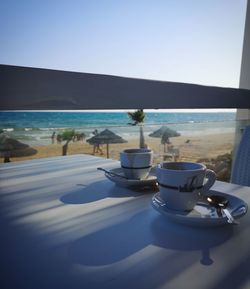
(123, 239)
(171, 235)
(84, 193)
(113, 243)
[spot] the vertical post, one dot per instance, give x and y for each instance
(243, 115)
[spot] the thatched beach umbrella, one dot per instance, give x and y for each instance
(10, 147)
(164, 133)
(106, 137)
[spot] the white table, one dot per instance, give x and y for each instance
(64, 225)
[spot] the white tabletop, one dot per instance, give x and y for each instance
(64, 225)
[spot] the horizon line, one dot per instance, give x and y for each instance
(195, 110)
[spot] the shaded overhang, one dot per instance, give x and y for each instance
(25, 88)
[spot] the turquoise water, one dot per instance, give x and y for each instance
(37, 127)
(35, 120)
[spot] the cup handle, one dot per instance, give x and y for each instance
(211, 178)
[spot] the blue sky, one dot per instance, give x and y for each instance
(195, 41)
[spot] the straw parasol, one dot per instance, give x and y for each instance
(10, 147)
(164, 130)
(164, 133)
(106, 137)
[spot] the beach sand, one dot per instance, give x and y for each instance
(202, 146)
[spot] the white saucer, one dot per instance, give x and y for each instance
(203, 214)
(129, 183)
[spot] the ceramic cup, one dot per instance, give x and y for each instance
(136, 163)
(182, 183)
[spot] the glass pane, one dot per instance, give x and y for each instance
(207, 138)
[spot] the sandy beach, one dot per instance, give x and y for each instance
(202, 146)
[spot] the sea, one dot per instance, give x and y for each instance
(36, 128)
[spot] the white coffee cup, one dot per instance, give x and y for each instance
(182, 183)
(136, 163)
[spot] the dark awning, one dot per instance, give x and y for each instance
(33, 88)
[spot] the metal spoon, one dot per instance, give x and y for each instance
(112, 173)
(221, 203)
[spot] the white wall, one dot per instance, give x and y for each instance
(245, 63)
(244, 114)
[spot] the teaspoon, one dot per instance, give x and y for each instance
(112, 173)
(221, 203)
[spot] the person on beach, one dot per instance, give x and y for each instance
(53, 137)
(96, 146)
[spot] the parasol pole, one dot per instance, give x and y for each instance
(107, 150)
